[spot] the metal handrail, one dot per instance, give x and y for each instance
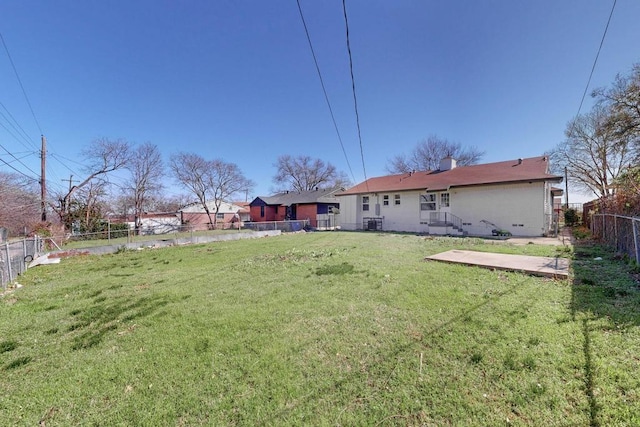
(449, 219)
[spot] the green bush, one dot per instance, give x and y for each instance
(581, 233)
(571, 217)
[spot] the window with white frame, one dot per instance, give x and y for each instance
(220, 215)
(396, 199)
(428, 202)
(385, 200)
(444, 200)
(365, 203)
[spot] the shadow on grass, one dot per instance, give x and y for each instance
(94, 322)
(393, 356)
(603, 288)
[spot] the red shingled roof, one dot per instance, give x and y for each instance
(510, 171)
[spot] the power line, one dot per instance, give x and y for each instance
(593, 67)
(19, 129)
(55, 157)
(353, 89)
(15, 70)
(19, 171)
(18, 160)
(23, 154)
(324, 90)
(11, 133)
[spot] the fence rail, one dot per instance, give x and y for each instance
(15, 257)
(285, 226)
(621, 233)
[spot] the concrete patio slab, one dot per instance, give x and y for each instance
(535, 265)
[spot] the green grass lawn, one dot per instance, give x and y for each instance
(335, 329)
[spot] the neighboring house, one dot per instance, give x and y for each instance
(557, 200)
(229, 215)
(245, 211)
(152, 223)
(319, 206)
(514, 196)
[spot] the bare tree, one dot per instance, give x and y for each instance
(20, 205)
(86, 208)
(209, 180)
(623, 98)
(303, 173)
(225, 181)
(190, 170)
(426, 155)
(168, 203)
(103, 157)
(627, 197)
(146, 170)
(593, 154)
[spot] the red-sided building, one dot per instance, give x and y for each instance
(315, 206)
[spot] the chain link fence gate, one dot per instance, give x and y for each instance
(15, 257)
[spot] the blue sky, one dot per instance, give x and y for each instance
(236, 80)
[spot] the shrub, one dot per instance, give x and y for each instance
(571, 217)
(581, 233)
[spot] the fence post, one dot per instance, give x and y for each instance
(6, 246)
(23, 264)
(635, 240)
(615, 232)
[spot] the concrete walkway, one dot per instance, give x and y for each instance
(535, 265)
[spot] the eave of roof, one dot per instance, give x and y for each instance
(304, 197)
(506, 172)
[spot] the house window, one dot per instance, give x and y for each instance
(276, 210)
(261, 211)
(365, 203)
(396, 200)
(444, 200)
(428, 202)
(385, 200)
(220, 216)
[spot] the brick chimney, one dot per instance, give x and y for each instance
(447, 163)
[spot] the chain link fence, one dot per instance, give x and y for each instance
(621, 233)
(15, 257)
(127, 234)
(284, 226)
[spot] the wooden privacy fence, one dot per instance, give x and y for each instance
(619, 232)
(15, 257)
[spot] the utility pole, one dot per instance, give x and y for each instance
(43, 180)
(70, 180)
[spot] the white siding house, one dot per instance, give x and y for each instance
(504, 197)
(228, 215)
